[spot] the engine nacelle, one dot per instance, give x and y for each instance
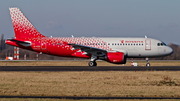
(116, 57)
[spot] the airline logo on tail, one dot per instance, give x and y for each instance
(22, 27)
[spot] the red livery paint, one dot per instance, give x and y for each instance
(81, 55)
(133, 41)
(116, 57)
(122, 41)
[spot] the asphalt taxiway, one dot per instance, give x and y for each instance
(87, 68)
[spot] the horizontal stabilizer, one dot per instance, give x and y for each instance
(23, 43)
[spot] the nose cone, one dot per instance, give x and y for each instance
(169, 50)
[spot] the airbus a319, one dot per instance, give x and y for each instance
(113, 50)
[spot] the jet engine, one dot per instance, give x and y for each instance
(116, 57)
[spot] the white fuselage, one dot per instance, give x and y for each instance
(131, 47)
(138, 47)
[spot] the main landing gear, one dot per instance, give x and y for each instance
(147, 64)
(93, 61)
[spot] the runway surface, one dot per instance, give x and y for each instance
(86, 68)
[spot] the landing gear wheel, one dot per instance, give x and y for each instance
(92, 63)
(95, 64)
(148, 64)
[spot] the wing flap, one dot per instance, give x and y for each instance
(88, 49)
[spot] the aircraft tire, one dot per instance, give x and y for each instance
(95, 64)
(92, 63)
(148, 64)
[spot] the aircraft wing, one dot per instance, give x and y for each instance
(88, 49)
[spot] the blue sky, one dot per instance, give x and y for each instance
(158, 19)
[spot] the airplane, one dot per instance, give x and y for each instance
(114, 50)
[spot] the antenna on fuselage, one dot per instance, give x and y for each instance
(145, 36)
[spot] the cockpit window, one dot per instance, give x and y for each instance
(161, 44)
(164, 44)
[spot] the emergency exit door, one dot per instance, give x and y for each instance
(148, 44)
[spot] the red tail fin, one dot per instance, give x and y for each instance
(22, 27)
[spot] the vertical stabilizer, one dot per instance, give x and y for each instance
(22, 27)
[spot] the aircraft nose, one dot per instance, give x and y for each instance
(169, 50)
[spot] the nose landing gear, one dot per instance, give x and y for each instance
(147, 64)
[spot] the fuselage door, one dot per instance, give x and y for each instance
(43, 46)
(148, 44)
